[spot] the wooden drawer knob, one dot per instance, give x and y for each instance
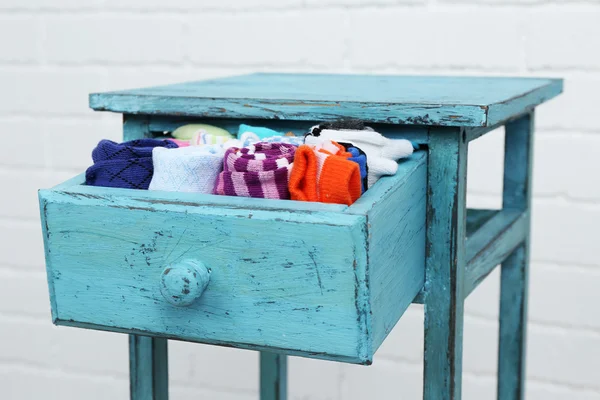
(183, 282)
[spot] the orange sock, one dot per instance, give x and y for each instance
(325, 174)
(303, 178)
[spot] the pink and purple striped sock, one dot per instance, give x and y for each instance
(260, 170)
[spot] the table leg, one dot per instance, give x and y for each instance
(445, 264)
(515, 269)
(135, 127)
(273, 376)
(148, 368)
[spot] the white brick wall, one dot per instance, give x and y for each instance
(54, 52)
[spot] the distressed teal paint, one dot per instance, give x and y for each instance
(476, 218)
(183, 282)
(273, 376)
(445, 265)
(342, 276)
(492, 243)
(518, 162)
(295, 269)
(47, 251)
(514, 275)
(148, 368)
(395, 244)
(410, 100)
(136, 127)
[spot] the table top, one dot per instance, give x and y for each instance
(418, 100)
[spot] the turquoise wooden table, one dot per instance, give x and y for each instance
(307, 279)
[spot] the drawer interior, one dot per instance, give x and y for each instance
(158, 126)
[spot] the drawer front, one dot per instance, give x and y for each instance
(289, 281)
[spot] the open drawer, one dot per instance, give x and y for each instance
(309, 279)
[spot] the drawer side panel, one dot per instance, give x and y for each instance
(397, 248)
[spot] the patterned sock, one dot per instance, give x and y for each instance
(260, 170)
(187, 169)
(324, 173)
(186, 132)
(248, 138)
(382, 153)
(180, 143)
(359, 157)
(204, 138)
(139, 148)
(124, 165)
(260, 132)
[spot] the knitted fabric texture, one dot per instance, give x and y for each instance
(187, 169)
(382, 153)
(179, 142)
(359, 157)
(261, 132)
(324, 173)
(260, 170)
(186, 132)
(204, 138)
(124, 165)
(248, 138)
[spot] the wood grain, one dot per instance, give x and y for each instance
(148, 368)
(514, 277)
(404, 100)
(445, 265)
(396, 244)
(492, 243)
(273, 376)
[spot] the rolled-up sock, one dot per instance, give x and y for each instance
(359, 157)
(204, 139)
(188, 169)
(248, 138)
(259, 131)
(179, 142)
(124, 165)
(382, 153)
(260, 170)
(324, 173)
(303, 179)
(139, 148)
(186, 132)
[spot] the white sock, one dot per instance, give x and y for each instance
(187, 169)
(382, 153)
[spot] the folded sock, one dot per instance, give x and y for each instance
(382, 153)
(139, 148)
(186, 132)
(248, 138)
(187, 169)
(204, 138)
(324, 173)
(359, 157)
(179, 142)
(124, 165)
(260, 132)
(260, 170)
